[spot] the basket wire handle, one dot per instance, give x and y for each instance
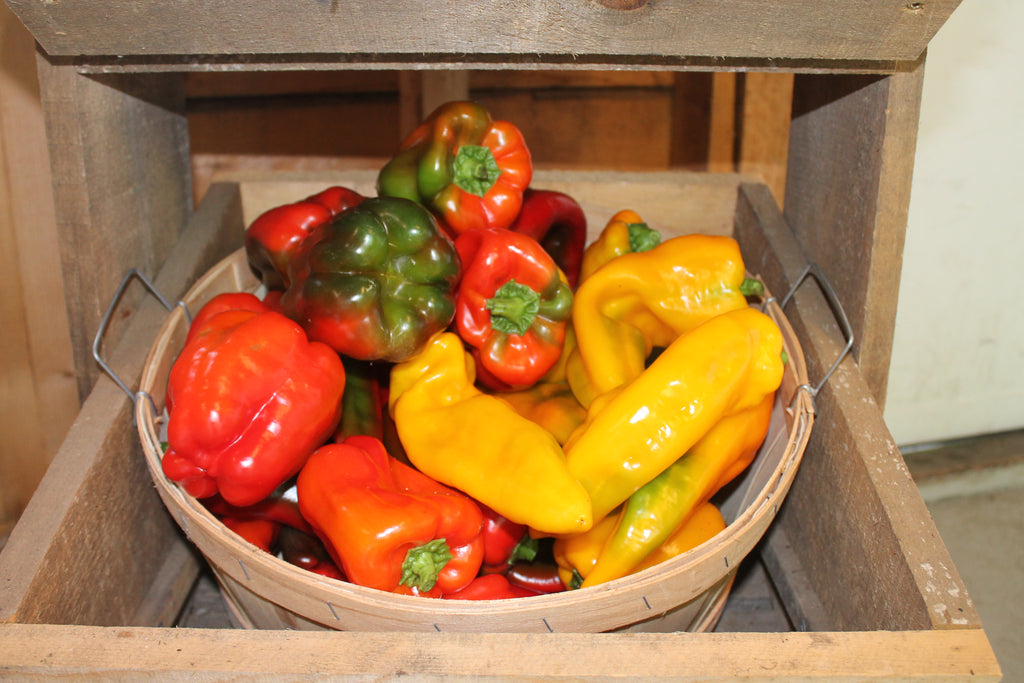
(133, 273)
(812, 270)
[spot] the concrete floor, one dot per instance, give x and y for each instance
(979, 512)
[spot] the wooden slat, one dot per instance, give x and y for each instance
(119, 154)
(850, 164)
(765, 103)
(92, 546)
(567, 31)
(878, 561)
(93, 653)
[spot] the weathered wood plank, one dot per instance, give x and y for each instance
(878, 561)
(90, 653)
(95, 537)
(119, 158)
(567, 31)
(851, 159)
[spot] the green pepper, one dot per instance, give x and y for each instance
(375, 282)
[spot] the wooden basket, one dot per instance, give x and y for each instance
(684, 593)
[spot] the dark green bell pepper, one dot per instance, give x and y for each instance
(376, 281)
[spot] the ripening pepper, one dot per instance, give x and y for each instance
(376, 281)
(666, 502)
(557, 221)
(725, 365)
(468, 168)
(249, 398)
(273, 238)
(511, 307)
(364, 401)
(641, 300)
(625, 233)
(576, 556)
(479, 444)
(386, 524)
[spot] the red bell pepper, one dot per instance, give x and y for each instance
(272, 239)
(490, 587)
(501, 538)
(557, 221)
(540, 577)
(273, 508)
(248, 399)
(468, 168)
(306, 551)
(511, 307)
(387, 525)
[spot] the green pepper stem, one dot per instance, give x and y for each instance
(751, 287)
(513, 308)
(423, 564)
(643, 237)
(475, 169)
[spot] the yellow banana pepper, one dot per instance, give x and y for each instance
(702, 525)
(624, 233)
(477, 443)
(667, 501)
(632, 434)
(641, 300)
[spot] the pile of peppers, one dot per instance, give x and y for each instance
(444, 391)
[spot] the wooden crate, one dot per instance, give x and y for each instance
(97, 569)
(853, 550)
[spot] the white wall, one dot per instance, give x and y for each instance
(958, 357)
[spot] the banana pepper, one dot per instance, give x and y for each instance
(478, 444)
(725, 365)
(667, 501)
(641, 300)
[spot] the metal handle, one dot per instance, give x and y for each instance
(132, 274)
(812, 270)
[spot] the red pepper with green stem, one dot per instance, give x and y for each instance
(387, 525)
(557, 221)
(272, 240)
(511, 307)
(468, 168)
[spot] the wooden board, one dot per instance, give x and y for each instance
(567, 33)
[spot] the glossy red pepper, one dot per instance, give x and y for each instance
(248, 399)
(557, 221)
(511, 307)
(388, 525)
(273, 508)
(490, 587)
(501, 537)
(272, 239)
(306, 551)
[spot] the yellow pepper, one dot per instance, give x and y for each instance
(478, 444)
(641, 300)
(552, 405)
(624, 233)
(668, 500)
(632, 434)
(702, 525)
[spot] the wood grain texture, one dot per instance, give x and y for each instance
(119, 156)
(570, 31)
(38, 394)
(95, 537)
(878, 561)
(91, 653)
(851, 156)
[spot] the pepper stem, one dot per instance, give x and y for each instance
(751, 287)
(643, 237)
(423, 563)
(513, 308)
(475, 169)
